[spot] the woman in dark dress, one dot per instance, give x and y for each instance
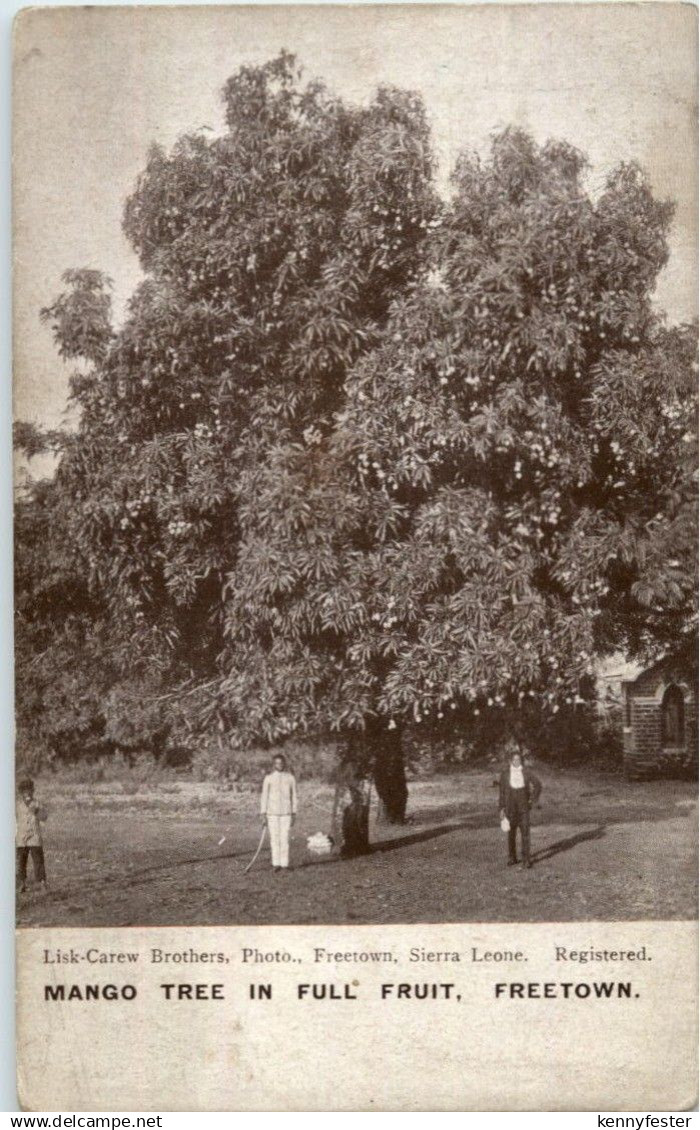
(350, 825)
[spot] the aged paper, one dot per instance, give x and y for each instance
(356, 680)
(369, 1049)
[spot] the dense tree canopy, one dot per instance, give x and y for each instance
(507, 491)
(271, 257)
(358, 457)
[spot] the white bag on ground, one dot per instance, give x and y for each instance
(319, 844)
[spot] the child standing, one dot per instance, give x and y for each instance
(29, 816)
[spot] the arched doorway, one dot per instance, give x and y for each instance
(673, 717)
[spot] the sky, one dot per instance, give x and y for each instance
(94, 87)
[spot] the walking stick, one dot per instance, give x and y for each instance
(262, 840)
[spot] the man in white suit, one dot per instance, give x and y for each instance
(278, 806)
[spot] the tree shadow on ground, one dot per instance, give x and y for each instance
(416, 837)
(172, 864)
(396, 842)
(566, 844)
(444, 829)
(615, 811)
(147, 874)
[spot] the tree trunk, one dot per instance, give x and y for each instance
(389, 772)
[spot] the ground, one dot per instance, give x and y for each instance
(603, 848)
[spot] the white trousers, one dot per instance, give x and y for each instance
(278, 827)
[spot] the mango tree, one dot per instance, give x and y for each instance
(506, 492)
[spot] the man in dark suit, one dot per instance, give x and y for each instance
(519, 789)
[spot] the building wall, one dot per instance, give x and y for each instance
(644, 752)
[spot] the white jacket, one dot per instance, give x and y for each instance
(28, 818)
(279, 794)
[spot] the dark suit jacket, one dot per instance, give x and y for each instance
(510, 800)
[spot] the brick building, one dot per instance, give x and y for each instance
(660, 722)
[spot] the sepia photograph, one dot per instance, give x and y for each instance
(355, 403)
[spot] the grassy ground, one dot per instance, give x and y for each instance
(603, 849)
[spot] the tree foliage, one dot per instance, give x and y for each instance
(271, 257)
(358, 457)
(507, 492)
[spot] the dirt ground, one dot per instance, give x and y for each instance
(602, 848)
